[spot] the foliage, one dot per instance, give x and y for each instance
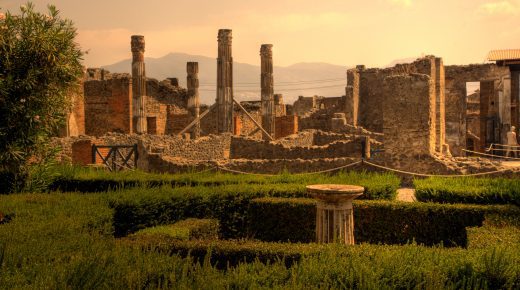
(377, 185)
(185, 230)
(468, 190)
(294, 219)
(39, 70)
(65, 241)
(138, 208)
(272, 219)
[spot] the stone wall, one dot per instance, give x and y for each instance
(456, 79)
(108, 106)
(409, 115)
(245, 148)
(371, 96)
(276, 166)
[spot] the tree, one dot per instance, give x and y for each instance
(40, 65)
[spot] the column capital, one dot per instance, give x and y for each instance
(137, 43)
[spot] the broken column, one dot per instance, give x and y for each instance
(409, 115)
(224, 82)
(138, 84)
(267, 92)
(192, 69)
(352, 96)
(334, 212)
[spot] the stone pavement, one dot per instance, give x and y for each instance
(406, 194)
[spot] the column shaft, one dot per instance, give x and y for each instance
(224, 82)
(267, 89)
(192, 69)
(138, 84)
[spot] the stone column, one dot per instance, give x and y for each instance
(267, 92)
(352, 97)
(224, 83)
(192, 69)
(440, 94)
(138, 84)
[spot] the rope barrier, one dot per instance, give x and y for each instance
(499, 149)
(305, 173)
(206, 170)
(437, 175)
(502, 145)
(491, 155)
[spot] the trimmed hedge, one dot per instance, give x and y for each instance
(468, 190)
(144, 207)
(352, 267)
(377, 185)
(188, 229)
(293, 219)
(290, 219)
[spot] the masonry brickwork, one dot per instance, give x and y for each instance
(108, 105)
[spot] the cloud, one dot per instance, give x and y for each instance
(501, 7)
(404, 3)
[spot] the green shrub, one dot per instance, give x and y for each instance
(65, 241)
(139, 208)
(283, 219)
(185, 230)
(362, 266)
(468, 190)
(293, 219)
(377, 186)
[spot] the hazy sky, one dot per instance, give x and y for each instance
(344, 32)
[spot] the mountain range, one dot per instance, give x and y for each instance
(301, 79)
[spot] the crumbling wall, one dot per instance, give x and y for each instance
(456, 79)
(371, 96)
(409, 115)
(108, 106)
(247, 148)
(213, 147)
(286, 126)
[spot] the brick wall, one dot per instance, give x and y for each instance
(108, 105)
(285, 126)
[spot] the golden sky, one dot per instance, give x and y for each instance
(344, 32)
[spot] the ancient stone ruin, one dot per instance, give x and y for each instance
(415, 116)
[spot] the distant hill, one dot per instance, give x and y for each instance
(321, 78)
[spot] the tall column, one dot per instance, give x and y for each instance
(440, 94)
(138, 84)
(224, 82)
(192, 69)
(267, 93)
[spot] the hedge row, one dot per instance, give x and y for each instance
(274, 219)
(294, 220)
(361, 266)
(468, 190)
(378, 186)
(188, 229)
(140, 208)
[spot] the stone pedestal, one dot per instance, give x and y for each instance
(334, 212)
